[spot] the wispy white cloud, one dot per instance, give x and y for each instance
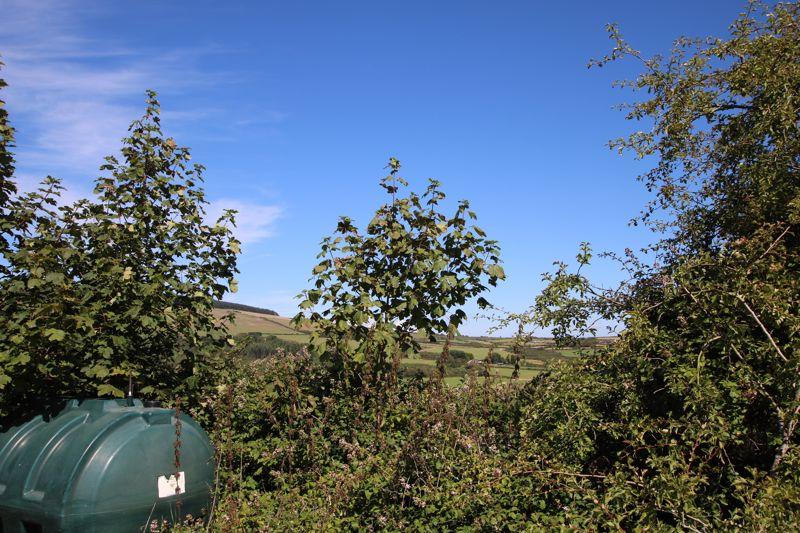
(74, 109)
(254, 222)
(76, 97)
(268, 117)
(78, 112)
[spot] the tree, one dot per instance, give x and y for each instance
(373, 291)
(117, 288)
(723, 115)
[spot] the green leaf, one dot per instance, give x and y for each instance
(54, 277)
(106, 390)
(496, 271)
(54, 334)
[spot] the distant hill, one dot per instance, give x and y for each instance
(261, 332)
(258, 322)
(242, 307)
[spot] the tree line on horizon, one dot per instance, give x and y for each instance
(219, 304)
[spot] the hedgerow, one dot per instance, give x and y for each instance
(687, 422)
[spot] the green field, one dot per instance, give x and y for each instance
(477, 347)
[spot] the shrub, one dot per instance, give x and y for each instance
(259, 346)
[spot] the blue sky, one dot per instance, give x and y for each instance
(295, 108)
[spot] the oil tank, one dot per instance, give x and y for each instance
(103, 466)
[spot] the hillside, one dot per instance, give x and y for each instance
(264, 323)
(535, 359)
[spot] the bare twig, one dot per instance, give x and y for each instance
(576, 474)
(771, 246)
(763, 328)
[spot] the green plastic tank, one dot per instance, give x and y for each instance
(103, 466)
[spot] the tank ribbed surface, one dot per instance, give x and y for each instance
(102, 465)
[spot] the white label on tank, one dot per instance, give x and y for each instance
(170, 486)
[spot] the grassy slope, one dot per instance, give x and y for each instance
(281, 327)
(247, 321)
